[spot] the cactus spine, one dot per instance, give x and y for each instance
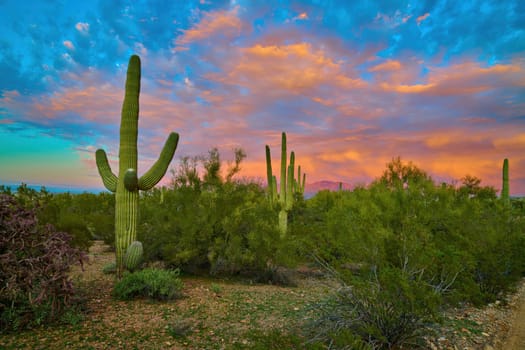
(126, 184)
(133, 256)
(289, 186)
(505, 187)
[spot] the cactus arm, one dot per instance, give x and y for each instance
(269, 174)
(274, 187)
(157, 171)
(290, 182)
(134, 255)
(303, 184)
(104, 169)
(282, 194)
(298, 182)
(505, 186)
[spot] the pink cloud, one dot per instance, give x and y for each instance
(82, 27)
(422, 18)
(213, 23)
(69, 44)
(463, 79)
(389, 65)
(294, 68)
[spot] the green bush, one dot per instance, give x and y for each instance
(462, 242)
(149, 283)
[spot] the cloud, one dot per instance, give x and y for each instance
(422, 18)
(389, 65)
(301, 17)
(82, 27)
(466, 78)
(69, 44)
(225, 23)
(292, 69)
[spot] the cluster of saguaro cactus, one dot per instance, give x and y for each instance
(505, 186)
(289, 185)
(126, 183)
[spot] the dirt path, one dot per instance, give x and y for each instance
(516, 336)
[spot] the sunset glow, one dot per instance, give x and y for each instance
(353, 84)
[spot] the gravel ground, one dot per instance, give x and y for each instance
(498, 326)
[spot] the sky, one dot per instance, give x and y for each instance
(354, 84)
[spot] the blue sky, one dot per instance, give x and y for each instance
(354, 84)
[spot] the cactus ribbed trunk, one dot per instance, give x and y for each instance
(127, 185)
(126, 210)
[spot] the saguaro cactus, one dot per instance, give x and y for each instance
(126, 184)
(289, 186)
(505, 186)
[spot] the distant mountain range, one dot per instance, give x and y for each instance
(312, 188)
(55, 189)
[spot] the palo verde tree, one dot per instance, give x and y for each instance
(289, 186)
(126, 184)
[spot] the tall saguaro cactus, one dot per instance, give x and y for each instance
(289, 186)
(505, 186)
(126, 183)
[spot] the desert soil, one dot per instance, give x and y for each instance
(515, 339)
(224, 313)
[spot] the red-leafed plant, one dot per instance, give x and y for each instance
(34, 263)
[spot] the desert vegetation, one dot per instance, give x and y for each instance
(387, 259)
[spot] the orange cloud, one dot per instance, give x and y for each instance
(422, 18)
(389, 65)
(407, 89)
(295, 68)
(69, 44)
(341, 157)
(463, 78)
(213, 23)
(302, 16)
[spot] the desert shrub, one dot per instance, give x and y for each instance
(34, 263)
(462, 242)
(149, 283)
(389, 311)
(109, 268)
(211, 224)
(84, 216)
